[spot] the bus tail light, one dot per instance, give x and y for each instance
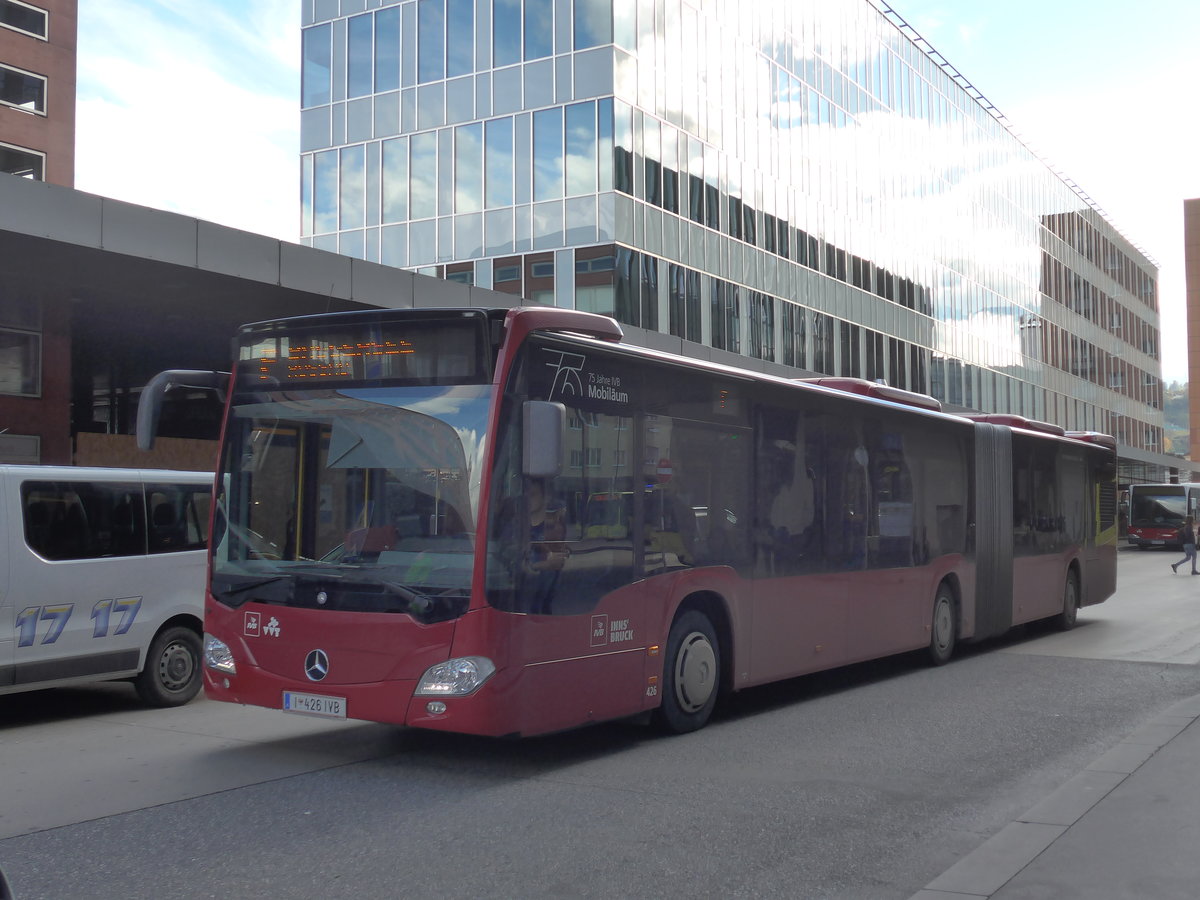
(218, 656)
(455, 677)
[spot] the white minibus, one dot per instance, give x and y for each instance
(102, 575)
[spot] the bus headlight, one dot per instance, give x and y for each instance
(217, 655)
(455, 677)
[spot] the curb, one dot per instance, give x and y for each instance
(1000, 858)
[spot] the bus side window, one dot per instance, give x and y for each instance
(788, 539)
(577, 544)
(891, 524)
(847, 508)
(709, 491)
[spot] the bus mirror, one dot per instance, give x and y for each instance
(150, 403)
(545, 428)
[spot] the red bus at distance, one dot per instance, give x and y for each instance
(509, 522)
(1157, 511)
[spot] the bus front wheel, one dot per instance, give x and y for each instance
(1070, 609)
(171, 676)
(691, 675)
(943, 631)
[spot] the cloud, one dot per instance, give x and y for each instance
(1132, 150)
(192, 109)
(1105, 98)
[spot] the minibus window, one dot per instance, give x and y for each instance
(79, 520)
(178, 516)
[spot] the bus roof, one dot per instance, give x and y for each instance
(520, 321)
(877, 390)
(1095, 437)
(1015, 421)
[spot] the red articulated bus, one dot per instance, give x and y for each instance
(509, 522)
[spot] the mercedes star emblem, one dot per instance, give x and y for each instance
(316, 665)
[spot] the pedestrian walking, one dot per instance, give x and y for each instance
(1187, 536)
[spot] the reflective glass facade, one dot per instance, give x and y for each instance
(794, 182)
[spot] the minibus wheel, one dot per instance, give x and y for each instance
(171, 676)
(943, 632)
(691, 674)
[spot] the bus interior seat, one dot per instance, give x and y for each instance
(373, 539)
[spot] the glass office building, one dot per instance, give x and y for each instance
(797, 184)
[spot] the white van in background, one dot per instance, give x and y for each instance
(102, 577)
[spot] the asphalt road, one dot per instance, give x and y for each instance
(863, 783)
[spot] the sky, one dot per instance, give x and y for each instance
(194, 108)
(1105, 92)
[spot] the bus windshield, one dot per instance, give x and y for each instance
(383, 481)
(1160, 505)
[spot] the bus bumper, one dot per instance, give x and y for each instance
(481, 713)
(385, 701)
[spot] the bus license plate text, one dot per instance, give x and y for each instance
(315, 705)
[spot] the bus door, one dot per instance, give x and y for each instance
(853, 611)
(565, 544)
(915, 476)
(798, 623)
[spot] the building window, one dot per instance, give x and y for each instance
(460, 48)
(360, 64)
(431, 41)
(593, 23)
(22, 163)
(325, 191)
(395, 180)
(581, 144)
(23, 17)
(20, 449)
(20, 362)
(548, 172)
(317, 67)
(539, 29)
(23, 90)
(387, 49)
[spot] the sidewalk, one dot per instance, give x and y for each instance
(1125, 828)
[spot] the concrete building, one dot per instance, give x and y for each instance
(134, 291)
(807, 185)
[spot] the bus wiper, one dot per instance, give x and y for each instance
(418, 603)
(224, 594)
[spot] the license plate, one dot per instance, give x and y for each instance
(1158, 542)
(315, 705)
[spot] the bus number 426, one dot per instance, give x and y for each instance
(125, 609)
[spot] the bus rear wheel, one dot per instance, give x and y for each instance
(1070, 610)
(692, 674)
(171, 676)
(943, 631)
